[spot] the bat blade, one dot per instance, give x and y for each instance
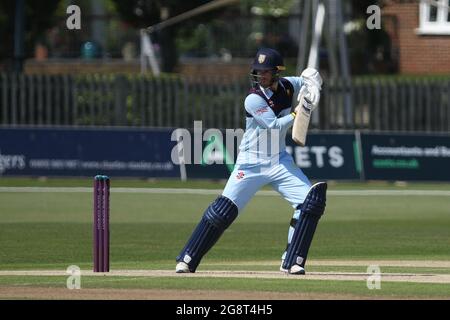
(301, 123)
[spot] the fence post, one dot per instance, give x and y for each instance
(5, 105)
(186, 102)
(57, 99)
(74, 85)
(446, 123)
(22, 101)
(48, 99)
(31, 99)
(120, 99)
(142, 101)
(14, 90)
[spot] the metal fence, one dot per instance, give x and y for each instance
(387, 104)
(412, 104)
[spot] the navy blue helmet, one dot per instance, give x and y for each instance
(268, 59)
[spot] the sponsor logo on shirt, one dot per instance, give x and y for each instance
(261, 110)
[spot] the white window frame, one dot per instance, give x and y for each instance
(439, 27)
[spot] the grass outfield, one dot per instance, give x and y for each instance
(209, 184)
(50, 231)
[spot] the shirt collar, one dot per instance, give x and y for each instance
(268, 92)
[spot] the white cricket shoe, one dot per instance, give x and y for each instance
(296, 269)
(281, 267)
(182, 267)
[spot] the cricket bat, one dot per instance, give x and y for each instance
(301, 123)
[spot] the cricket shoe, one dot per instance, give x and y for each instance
(281, 267)
(182, 267)
(296, 269)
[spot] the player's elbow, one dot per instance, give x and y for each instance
(274, 125)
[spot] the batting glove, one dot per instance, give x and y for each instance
(311, 87)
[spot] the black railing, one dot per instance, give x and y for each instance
(410, 104)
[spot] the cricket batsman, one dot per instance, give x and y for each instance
(263, 160)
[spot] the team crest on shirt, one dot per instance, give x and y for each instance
(240, 175)
(261, 58)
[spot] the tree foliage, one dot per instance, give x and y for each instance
(39, 15)
(371, 50)
(145, 13)
(274, 8)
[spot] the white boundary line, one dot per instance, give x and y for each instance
(375, 192)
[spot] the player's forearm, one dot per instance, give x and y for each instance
(287, 121)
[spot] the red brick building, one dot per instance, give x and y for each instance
(420, 30)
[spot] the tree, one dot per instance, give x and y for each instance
(273, 8)
(144, 13)
(370, 50)
(39, 15)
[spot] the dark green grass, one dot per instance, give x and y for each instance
(207, 184)
(115, 182)
(54, 230)
(42, 245)
(40, 230)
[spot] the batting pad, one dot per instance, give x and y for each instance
(217, 217)
(311, 211)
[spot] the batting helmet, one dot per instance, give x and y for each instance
(268, 59)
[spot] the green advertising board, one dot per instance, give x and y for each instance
(406, 156)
